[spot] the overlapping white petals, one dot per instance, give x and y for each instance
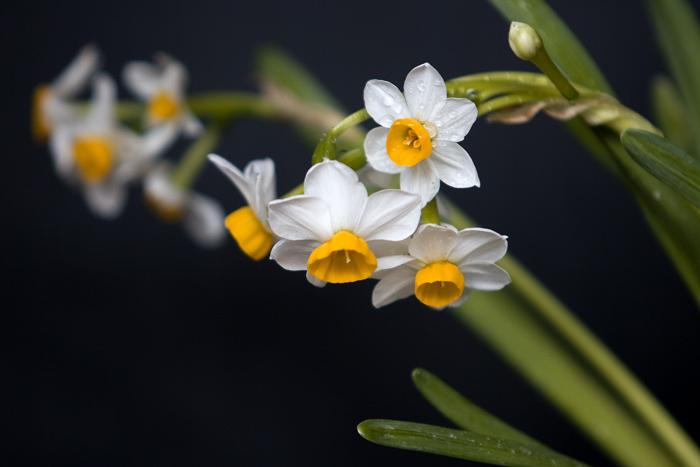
(422, 179)
(129, 156)
(335, 201)
(425, 101)
(473, 251)
(257, 183)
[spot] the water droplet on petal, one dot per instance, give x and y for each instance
(410, 89)
(421, 86)
(397, 108)
(452, 114)
(389, 101)
(422, 106)
(438, 123)
(437, 82)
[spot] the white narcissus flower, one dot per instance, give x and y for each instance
(52, 102)
(101, 156)
(419, 133)
(442, 267)
(162, 86)
(334, 230)
(201, 216)
(249, 225)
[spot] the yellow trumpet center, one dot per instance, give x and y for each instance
(93, 156)
(41, 126)
(344, 258)
(249, 233)
(439, 284)
(162, 106)
(408, 142)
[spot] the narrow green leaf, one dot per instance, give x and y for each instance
(674, 221)
(561, 44)
(540, 338)
(273, 62)
(678, 32)
(460, 444)
(670, 112)
(464, 413)
(666, 161)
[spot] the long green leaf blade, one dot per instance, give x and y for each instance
(666, 161)
(678, 32)
(670, 113)
(273, 62)
(460, 444)
(464, 413)
(561, 43)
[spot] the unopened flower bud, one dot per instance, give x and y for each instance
(524, 40)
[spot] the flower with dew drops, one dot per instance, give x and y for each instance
(442, 267)
(249, 225)
(335, 231)
(52, 102)
(419, 133)
(200, 216)
(102, 157)
(163, 86)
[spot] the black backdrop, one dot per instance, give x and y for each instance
(124, 344)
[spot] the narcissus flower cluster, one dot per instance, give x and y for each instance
(338, 233)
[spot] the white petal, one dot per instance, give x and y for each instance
(174, 76)
(477, 244)
(455, 166)
(75, 76)
(313, 280)
(141, 78)
(100, 117)
(61, 146)
(191, 125)
(204, 221)
(382, 248)
(386, 263)
(433, 243)
(483, 275)
(235, 175)
(301, 218)
(389, 215)
(106, 199)
(293, 255)
(425, 92)
(457, 117)
(158, 139)
(384, 102)
(338, 186)
(422, 179)
(262, 174)
(375, 151)
(400, 283)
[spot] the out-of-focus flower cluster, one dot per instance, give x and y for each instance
(95, 152)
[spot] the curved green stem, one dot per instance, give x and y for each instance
(195, 157)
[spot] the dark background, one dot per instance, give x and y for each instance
(124, 344)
